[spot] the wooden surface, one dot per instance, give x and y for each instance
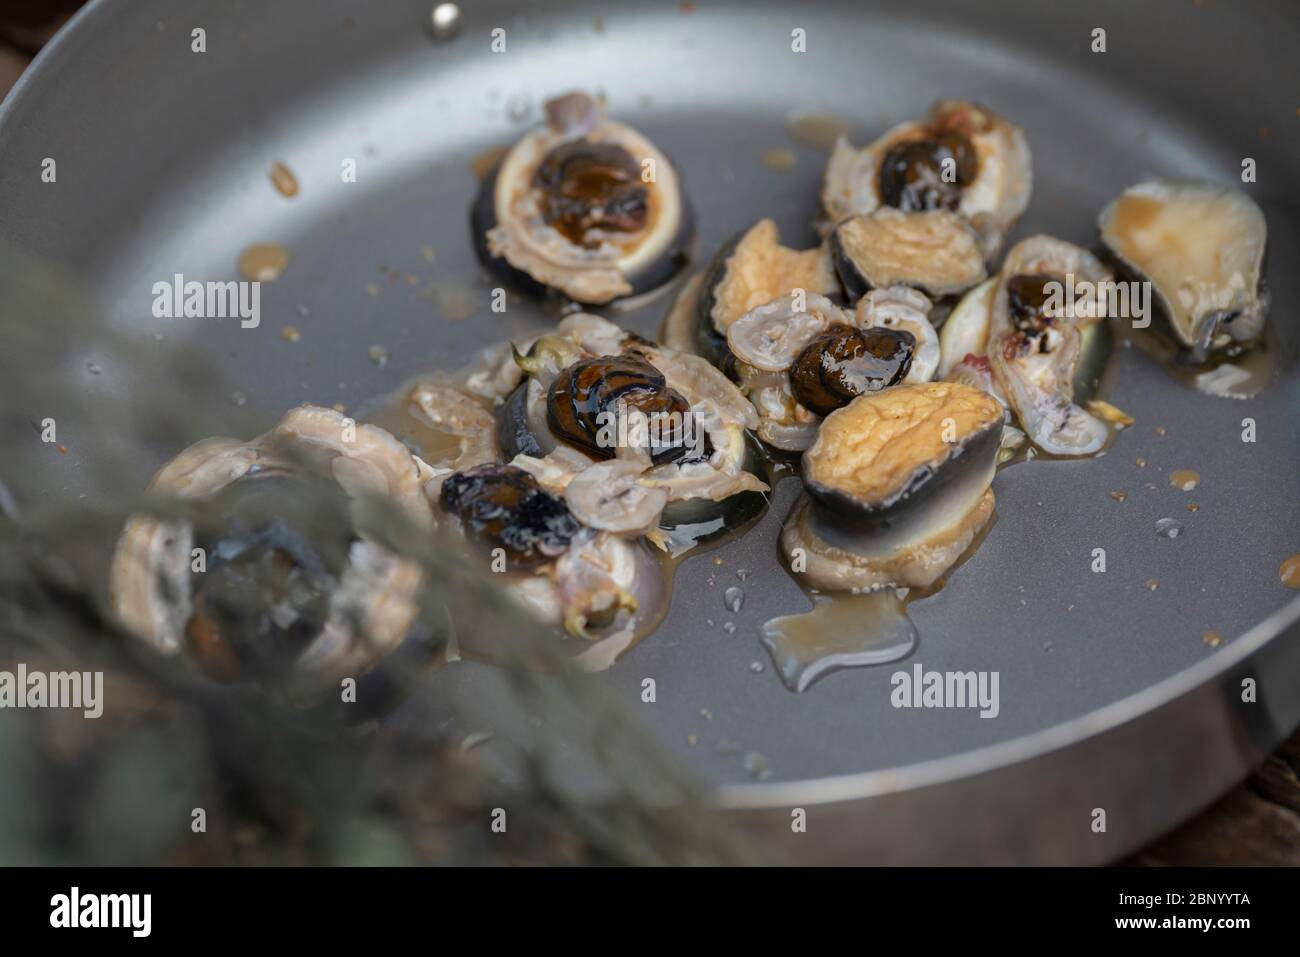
(1256, 823)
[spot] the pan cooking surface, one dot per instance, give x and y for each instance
(166, 178)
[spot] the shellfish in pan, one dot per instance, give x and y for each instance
(751, 269)
(1202, 248)
(961, 169)
(272, 601)
(936, 252)
(801, 357)
(605, 396)
(898, 486)
(1041, 327)
(585, 207)
(596, 583)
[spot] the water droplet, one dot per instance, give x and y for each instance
(1193, 507)
(238, 398)
(706, 714)
(743, 573)
(1168, 527)
(734, 598)
(729, 627)
(756, 667)
(1213, 639)
(290, 334)
(1152, 584)
(1184, 479)
(303, 310)
(472, 741)
(378, 355)
(1119, 496)
(93, 368)
(1141, 463)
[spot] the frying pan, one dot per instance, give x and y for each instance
(1109, 697)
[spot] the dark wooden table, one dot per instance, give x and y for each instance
(1257, 823)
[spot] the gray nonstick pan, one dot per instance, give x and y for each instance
(1110, 697)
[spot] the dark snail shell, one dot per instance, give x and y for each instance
(588, 390)
(881, 460)
(1028, 296)
(961, 161)
(285, 600)
(709, 342)
(935, 252)
(516, 434)
(706, 519)
(750, 269)
(844, 362)
(913, 175)
(1203, 248)
(504, 507)
(570, 210)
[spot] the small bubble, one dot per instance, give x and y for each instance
(1152, 584)
(378, 355)
(743, 573)
(1213, 639)
(1168, 527)
(290, 334)
(734, 599)
(757, 766)
(518, 108)
(303, 310)
(1193, 507)
(1141, 463)
(1119, 496)
(756, 667)
(93, 368)
(729, 627)
(706, 714)
(238, 398)
(1184, 479)
(1160, 430)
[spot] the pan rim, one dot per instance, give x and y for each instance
(1142, 704)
